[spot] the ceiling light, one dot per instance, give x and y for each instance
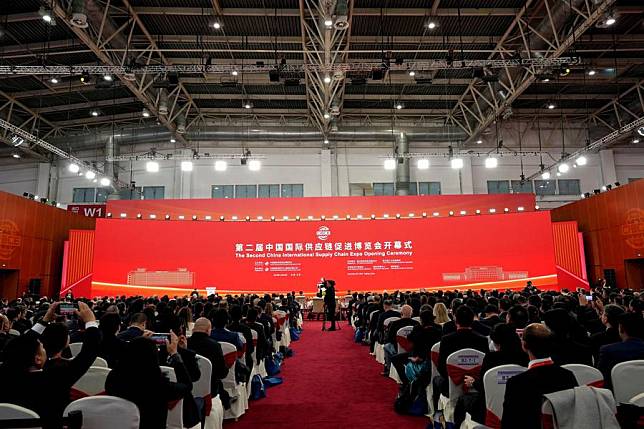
(216, 25)
(581, 160)
(73, 168)
(635, 140)
(610, 20)
(326, 141)
(85, 78)
(326, 115)
(328, 22)
(152, 167)
(221, 165)
(558, 174)
(234, 73)
(640, 131)
(173, 140)
(53, 80)
(15, 155)
(422, 164)
(94, 112)
(248, 105)
(551, 106)
(457, 163)
(545, 175)
(399, 106)
(254, 165)
(479, 141)
(432, 24)
(592, 72)
(46, 15)
(186, 166)
(17, 140)
(563, 167)
(491, 162)
(105, 181)
(327, 79)
(107, 77)
(90, 175)
(145, 113)
(412, 73)
(390, 164)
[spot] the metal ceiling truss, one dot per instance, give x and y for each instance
(621, 109)
(483, 102)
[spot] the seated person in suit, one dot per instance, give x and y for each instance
(391, 345)
(524, 392)
(136, 328)
(491, 315)
(111, 346)
(631, 331)
(566, 349)
(477, 326)
(386, 314)
(263, 346)
(30, 380)
(517, 317)
(463, 338)
(219, 332)
(610, 335)
(236, 325)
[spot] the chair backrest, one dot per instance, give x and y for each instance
(242, 352)
(372, 314)
(494, 381)
(318, 305)
(230, 358)
(75, 348)
(637, 400)
(404, 345)
(106, 412)
(201, 388)
(91, 383)
(628, 379)
(175, 413)
(100, 362)
(11, 411)
(417, 319)
(301, 300)
(388, 320)
(14, 332)
(433, 355)
(459, 364)
(586, 375)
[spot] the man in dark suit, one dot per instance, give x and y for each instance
(463, 338)
(610, 335)
(524, 392)
(263, 346)
(386, 314)
(391, 345)
(202, 344)
(219, 319)
(329, 302)
(136, 328)
(491, 316)
(631, 331)
(237, 326)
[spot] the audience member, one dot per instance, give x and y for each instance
(631, 332)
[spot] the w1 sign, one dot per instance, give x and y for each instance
(89, 210)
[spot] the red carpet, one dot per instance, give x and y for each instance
(330, 382)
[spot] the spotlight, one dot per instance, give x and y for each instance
(152, 167)
(173, 140)
(411, 215)
(373, 217)
(139, 216)
(386, 216)
(609, 187)
(536, 207)
(326, 141)
(399, 106)
(432, 24)
(221, 165)
(604, 188)
(587, 194)
(581, 160)
(592, 72)
(233, 218)
(36, 197)
(424, 214)
(15, 155)
(260, 217)
(145, 113)
(234, 73)
(640, 131)
(247, 218)
(272, 218)
(635, 140)
(248, 105)
(491, 162)
(451, 213)
(94, 112)
(108, 78)
(327, 79)
(335, 217)
(492, 210)
(463, 212)
(411, 73)
(153, 216)
(479, 141)
(422, 164)
(108, 214)
(610, 20)
(323, 217)
(297, 218)
(551, 106)
(167, 217)
(46, 15)
(216, 25)
(617, 184)
(478, 211)
(506, 210)
(520, 209)
(328, 22)
(186, 166)
(85, 78)
(456, 163)
(53, 80)
(563, 167)
(221, 218)
(564, 70)
(326, 115)
(90, 175)
(254, 165)
(73, 168)
(348, 217)
(390, 164)
(597, 191)
(545, 175)
(436, 214)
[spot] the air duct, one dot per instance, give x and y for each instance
(111, 167)
(163, 102)
(181, 123)
(402, 164)
(78, 18)
(342, 15)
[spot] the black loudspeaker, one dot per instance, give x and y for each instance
(34, 287)
(610, 277)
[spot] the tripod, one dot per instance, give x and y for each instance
(337, 322)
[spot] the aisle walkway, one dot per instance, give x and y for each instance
(329, 383)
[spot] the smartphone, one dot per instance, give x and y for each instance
(589, 297)
(160, 338)
(67, 308)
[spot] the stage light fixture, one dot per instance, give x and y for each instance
(492, 210)
(431, 24)
(506, 210)
(610, 20)
(43, 200)
(221, 165)
(167, 217)
(609, 187)
(309, 217)
(411, 73)
(327, 79)
(635, 140)
(359, 216)
(386, 216)
(108, 214)
(457, 163)
(520, 209)
(272, 218)
(551, 106)
(173, 140)
(399, 106)
(194, 217)
(15, 155)
(491, 162)
(323, 217)
(397, 215)
(640, 131)
(297, 218)
(326, 115)
(479, 141)
(105, 181)
(477, 211)
(592, 72)
(326, 141)
(424, 214)
(373, 217)
(451, 213)
(603, 188)
(247, 218)
(284, 217)
(581, 160)
(85, 78)
(436, 214)
(260, 218)
(145, 113)
(328, 22)
(123, 215)
(411, 215)
(348, 217)
(90, 175)
(153, 216)
(216, 25)
(186, 166)
(583, 196)
(563, 167)
(248, 105)
(45, 14)
(139, 216)
(335, 217)
(422, 164)
(108, 78)
(390, 164)
(587, 194)
(617, 184)
(152, 167)
(254, 165)
(181, 217)
(95, 113)
(545, 175)
(234, 73)
(221, 218)
(36, 197)
(463, 212)
(53, 80)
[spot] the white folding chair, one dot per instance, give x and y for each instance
(213, 409)
(433, 356)
(494, 381)
(459, 364)
(417, 319)
(106, 412)
(551, 416)
(586, 375)
(628, 379)
(11, 411)
(234, 389)
(403, 346)
(100, 362)
(91, 383)
(175, 413)
(75, 348)
(637, 400)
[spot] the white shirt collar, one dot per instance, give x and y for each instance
(538, 361)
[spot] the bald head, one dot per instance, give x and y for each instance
(406, 311)
(202, 324)
(537, 341)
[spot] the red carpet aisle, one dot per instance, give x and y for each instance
(329, 383)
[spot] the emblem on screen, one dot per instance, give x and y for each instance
(323, 233)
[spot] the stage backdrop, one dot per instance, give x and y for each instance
(157, 256)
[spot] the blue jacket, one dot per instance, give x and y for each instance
(612, 354)
(224, 335)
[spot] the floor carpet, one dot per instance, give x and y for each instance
(330, 382)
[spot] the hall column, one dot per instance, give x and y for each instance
(43, 180)
(607, 163)
(465, 177)
(183, 179)
(326, 173)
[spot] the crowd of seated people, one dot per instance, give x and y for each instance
(537, 330)
(38, 370)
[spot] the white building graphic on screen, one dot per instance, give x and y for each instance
(143, 277)
(489, 273)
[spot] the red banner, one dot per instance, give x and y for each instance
(89, 210)
(488, 251)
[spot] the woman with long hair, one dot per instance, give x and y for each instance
(440, 314)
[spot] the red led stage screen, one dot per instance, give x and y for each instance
(491, 251)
